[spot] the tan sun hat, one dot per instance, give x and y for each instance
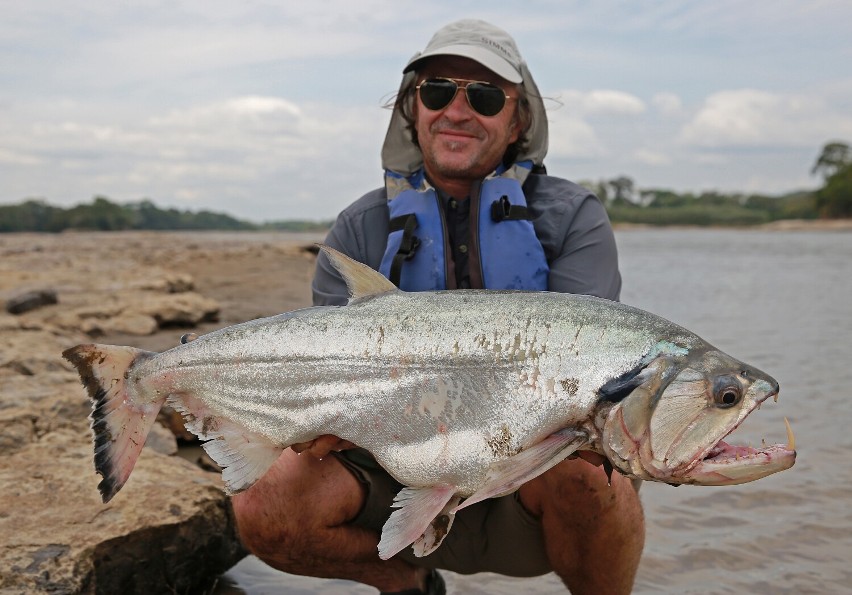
(480, 41)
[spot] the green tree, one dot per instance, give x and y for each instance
(834, 157)
(101, 215)
(623, 188)
(835, 198)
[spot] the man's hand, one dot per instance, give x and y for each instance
(322, 445)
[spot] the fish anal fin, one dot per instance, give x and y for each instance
(244, 456)
(507, 475)
(361, 280)
(437, 530)
(417, 518)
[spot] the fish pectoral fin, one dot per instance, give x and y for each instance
(507, 475)
(418, 519)
(243, 455)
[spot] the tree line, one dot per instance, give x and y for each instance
(623, 201)
(626, 204)
(103, 214)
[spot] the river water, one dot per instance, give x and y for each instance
(777, 300)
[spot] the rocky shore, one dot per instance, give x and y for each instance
(171, 529)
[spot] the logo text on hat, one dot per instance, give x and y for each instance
(495, 45)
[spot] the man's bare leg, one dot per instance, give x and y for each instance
(294, 519)
(594, 533)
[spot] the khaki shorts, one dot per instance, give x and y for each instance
(497, 535)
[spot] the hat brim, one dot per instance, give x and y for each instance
(487, 58)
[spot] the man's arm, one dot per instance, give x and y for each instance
(587, 261)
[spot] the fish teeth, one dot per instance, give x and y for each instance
(791, 439)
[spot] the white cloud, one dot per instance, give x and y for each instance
(572, 133)
(227, 155)
(572, 137)
(13, 157)
(752, 118)
(600, 102)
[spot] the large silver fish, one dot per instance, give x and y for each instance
(460, 395)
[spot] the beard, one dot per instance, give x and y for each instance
(466, 159)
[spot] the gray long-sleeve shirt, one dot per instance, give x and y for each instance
(569, 221)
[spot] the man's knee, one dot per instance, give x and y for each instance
(576, 488)
(264, 521)
(594, 532)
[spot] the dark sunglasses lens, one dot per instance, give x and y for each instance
(486, 99)
(437, 94)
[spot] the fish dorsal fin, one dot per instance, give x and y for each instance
(361, 280)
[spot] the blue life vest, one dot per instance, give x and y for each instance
(503, 248)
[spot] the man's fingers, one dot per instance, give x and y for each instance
(322, 445)
(301, 447)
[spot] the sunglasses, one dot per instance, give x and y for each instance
(486, 99)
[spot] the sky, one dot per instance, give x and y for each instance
(274, 110)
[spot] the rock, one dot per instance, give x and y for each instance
(54, 403)
(173, 283)
(179, 283)
(170, 530)
(137, 313)
(31, 300)
(180, 309)
(31, 351)
(131, 324)
(161, 440)
(173, 421)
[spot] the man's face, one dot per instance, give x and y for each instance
(458, 144)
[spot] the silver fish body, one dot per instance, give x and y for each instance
(437, 386)
(458, 395)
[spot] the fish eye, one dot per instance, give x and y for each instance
(727, 394)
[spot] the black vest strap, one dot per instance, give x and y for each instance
(503, 210)
(408, 245)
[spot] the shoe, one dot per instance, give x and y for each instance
(434, 586)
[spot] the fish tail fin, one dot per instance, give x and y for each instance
(120, 424)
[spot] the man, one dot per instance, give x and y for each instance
(466, 203)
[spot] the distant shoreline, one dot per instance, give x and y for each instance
(780, 225)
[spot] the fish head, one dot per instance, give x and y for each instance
(671, 426)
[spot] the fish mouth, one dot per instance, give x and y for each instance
(728, 464)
